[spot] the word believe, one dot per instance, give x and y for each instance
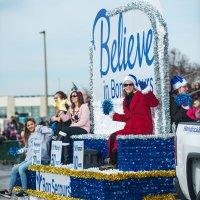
(125, 50)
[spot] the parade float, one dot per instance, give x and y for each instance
(130, 39)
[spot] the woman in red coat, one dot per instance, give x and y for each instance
(137, 114)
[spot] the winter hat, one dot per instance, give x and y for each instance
(131, 78)
(177, 82)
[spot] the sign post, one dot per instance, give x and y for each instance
(37, 153)
(78, 157)
(56, 152)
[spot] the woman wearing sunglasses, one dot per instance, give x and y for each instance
(137, 116)
(80, 121)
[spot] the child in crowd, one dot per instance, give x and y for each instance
(61, 119)
(32, 133)
(194, 112)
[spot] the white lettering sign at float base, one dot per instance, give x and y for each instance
(37, 153)
(56, 153)
(53, 183)
(78, 156)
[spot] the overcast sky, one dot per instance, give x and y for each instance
(68, 25)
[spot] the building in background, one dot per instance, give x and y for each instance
(31, 106)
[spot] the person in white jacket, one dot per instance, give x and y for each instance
(32, 133)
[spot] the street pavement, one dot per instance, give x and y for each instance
(4, 177)
(5, 171)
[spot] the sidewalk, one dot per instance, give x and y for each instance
(4, 177)
(5, 171)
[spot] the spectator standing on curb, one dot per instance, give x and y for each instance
(32, 133)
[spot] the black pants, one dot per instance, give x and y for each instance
(67, 151)
(112, 154)
(74, 130)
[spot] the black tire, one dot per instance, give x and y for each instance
(178, 189)
(189, 178)
(198, 196)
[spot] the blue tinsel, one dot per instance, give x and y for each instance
(146, 154)
(101, 145)
(107, 106)
(128, 189)
(13, 151)
(183, 99)
(136, 154)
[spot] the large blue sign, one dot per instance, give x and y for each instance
(120, 50)
(122, 47)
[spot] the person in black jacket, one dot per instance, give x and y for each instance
(180, 101)
(61, 121)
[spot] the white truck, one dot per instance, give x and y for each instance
(187, 155)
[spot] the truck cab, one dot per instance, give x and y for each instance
(187, 154)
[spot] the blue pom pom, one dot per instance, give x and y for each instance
(13, 151)
(107, 106)
(183, 99)
(54, 126)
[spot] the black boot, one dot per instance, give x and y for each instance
(111, 162)
(65, 159)
(61, 135)
(113, 158)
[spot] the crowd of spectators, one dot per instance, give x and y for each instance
(13, 130)
(194, 90)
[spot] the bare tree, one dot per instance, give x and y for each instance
(179, 65)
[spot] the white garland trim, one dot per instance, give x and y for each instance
(91, 136)
(123, 137)
(145, 137)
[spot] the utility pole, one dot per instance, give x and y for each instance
(45, 74)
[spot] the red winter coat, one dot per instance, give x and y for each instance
(194, 113)
(138, 118)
